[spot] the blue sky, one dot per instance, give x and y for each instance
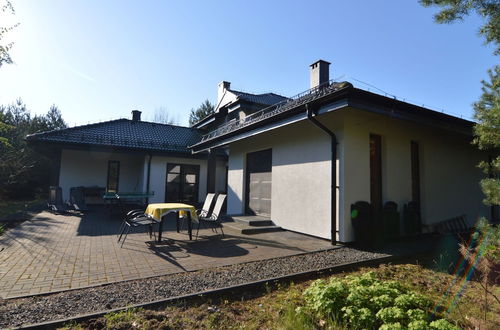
(98, 60)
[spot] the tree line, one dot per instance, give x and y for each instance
(23, 170)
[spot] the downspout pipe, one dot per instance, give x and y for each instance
(333, 186)
(148, 177)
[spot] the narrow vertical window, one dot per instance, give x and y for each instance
(415, 172)
(113, 176)
(376, 173)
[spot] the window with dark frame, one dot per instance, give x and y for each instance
(113, 176)
(182, 183)
(376, 172)
(415, 172)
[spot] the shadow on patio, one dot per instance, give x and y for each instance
(55, 252)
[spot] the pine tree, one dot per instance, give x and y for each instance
(487, 109)
(487, 134)
(204, 110)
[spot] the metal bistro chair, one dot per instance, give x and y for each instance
(136, 219)
(129, 216)
(214, 219)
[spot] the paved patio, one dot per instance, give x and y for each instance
(53, 253)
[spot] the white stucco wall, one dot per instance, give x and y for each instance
(301, 171)
(448, 172)
(90, 168)
(159, 176)
(300, 176)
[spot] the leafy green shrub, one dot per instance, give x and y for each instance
(365, 302)
(392, 326)
(324, 297)
(412, 300)
(418, 325)
(391, 315)
(442, 324)
(358, 317)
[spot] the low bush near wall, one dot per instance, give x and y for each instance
(365, 302)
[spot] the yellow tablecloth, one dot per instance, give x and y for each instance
(158, 209)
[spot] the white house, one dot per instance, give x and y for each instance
(300, 162)
(304, 161)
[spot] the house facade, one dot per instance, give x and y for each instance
(300, 162)
(133, 156)
(304, 161)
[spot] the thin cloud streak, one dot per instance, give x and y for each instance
(78, 73)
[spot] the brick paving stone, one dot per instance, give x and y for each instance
(75, 251)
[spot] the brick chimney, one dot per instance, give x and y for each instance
(136, 115)
(320, 73)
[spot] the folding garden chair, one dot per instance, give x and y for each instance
(206, 209)
(214, 219)
(55, 202)
(77, 199)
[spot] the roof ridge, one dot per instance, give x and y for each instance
(103, 123)
(277, 94)
(267, 93)
(75, 127)
(165, 124)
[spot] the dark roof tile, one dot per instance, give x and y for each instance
(127, 134)
(266, 99)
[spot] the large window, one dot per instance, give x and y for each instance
(113, 176)
(182, 183)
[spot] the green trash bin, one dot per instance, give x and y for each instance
(412, 222)
(390, 220)
(362, 223)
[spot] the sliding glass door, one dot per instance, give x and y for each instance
(182, 183)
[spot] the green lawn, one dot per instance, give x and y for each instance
(274, 307)
(11, 207)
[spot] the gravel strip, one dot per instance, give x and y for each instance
(36, 309)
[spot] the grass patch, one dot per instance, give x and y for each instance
(9, 207)
(275, 305)
(12, 211)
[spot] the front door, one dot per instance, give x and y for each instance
(258, 183)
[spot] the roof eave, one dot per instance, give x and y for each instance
(201, 146)
(367, 101)
(114, 148)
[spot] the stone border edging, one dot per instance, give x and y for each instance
(239, 287)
